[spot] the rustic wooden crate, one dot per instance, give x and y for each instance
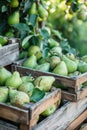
(9, 53)
(64, 117)
(72, 83)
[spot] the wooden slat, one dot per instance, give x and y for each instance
(24, 127)
(63, 116)
(77, 121)
(43, 104)
(13, 114)
(82, 93)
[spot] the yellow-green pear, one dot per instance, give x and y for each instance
(84, 58)
(71, 65)
(27, 87)
(56, 50)
(33, 50)
(19, 99)
(70, 56)
(14, 18)
(27, 79)
(14, 3)
(14, 81)
(54, 60)
(3, 94)
(44, 82)
(33, 9)
(3, 40)
(49, 110)
(61, 69)
(31, 62)
(82, 67)
(42, 12)
(43, 67)
(4, 75)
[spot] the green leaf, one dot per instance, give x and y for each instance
(44, 33)
(22, 27)
(57, 33)
(37, 95)
(33, 19)
(25, 40)
(27, 5)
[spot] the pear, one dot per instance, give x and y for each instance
(3, 40)
(14, 18)
(3, 94)
(27, 87)
(43, 67)
(12, 93)
(27, 79)
(33, 9)
(31, 62)
(14, 3)
(38, 55)
(82, 67)
(84, 58)
(33, 50)
(44, 82)
(19, 99)
(42, 12)
(42, 61)
(61, 69)
(71, 65)
(70, 56)
(52, 43)
(54, 60)
(56, 50)
(4, 75)
(49, 110)
(14, 81)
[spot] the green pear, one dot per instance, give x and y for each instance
(84, 58)
(14, 3)
(43, 67)
(38, 55)
(4, 75)
(19, 99)
(71, 65)
(42, 60)
(82, 67)
(33, 9)
(42, 12)
(3, 40)
(33, 50)
(52, 43)
(27, 87)
(14, 81)
(23, 54)
(70, 56)
(44, 82)
(56, 50)
(31, 62)
(27, 79)
(3, 94)
(54, 60)
(12, 93)
(14, 18)
(61, 69)
(49, 110)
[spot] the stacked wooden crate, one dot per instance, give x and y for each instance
(69, 116)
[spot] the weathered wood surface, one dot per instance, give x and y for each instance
(71, 94)
(61, 119)
(14, 114)
(7, 126)
(9, 53)
(78, 121)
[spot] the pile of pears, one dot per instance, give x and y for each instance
(17, 90)
(3, 40)
(56, 62)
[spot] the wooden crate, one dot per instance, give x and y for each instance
(62, 119)
(72, 93)
(9, 53)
